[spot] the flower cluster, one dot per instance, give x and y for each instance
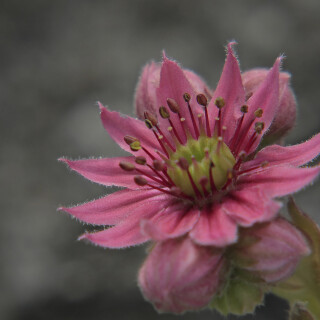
(198, 183)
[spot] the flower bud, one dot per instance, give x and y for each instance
(179, 275)
(146, 90)
(270, 251)
(286, 115)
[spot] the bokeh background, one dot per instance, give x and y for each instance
(57, 59)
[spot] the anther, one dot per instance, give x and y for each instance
(140, 181)
(148, 123)
(158, 165)
(258, 113)
(141, 160)
(219, 102)
(129, 139)
(264, 164)
(183, 163)
(164, 113)
(186, 97)
(126, 166)
(151, 117)
(135, 145)
(202, 100)
(244, 108)
(258, 127)
(173, 105)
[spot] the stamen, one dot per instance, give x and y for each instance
(163, 180)
(135, 146)
(141, 160)
(187, 99)
(258, 113)
(158, 165)
(174, 107)
(263, 165)
(165, 139)
(129, 139)
(148, 123)
(151, 117)
(126, 166)
(164, 113)
(140, 181)
(148, 153)
(235, 138)
(202, 100)
(219, 102)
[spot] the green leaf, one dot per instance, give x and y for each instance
(303, 287)
(239, 297)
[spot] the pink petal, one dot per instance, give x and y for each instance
(293, 155)
(280, 181)
(214, 228)
(127, 232)
(250, 206)
(230, 88)
(113, 208)
(267, 98)
(278, 251)
(105, 171)
(197, 83)
(173, 222)
(179, 276)
(146, 97)
(119, 126)
(173, 84)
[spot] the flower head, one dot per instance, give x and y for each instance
(196, 169)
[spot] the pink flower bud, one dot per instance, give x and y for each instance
(286, 114)
(146, 91)
(179, 275)
(271, 251)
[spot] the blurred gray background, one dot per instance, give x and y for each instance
(57, 59)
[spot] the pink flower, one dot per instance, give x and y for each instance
(195, 171)
(179, 275)
(271, 251)
(285, 117)
(194, 168)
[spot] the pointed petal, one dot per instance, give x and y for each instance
(267, 98)
(215, 228)
(127, 232)
(250, 206)
(230, 88)
(173, 84)
(146, 97)
(105, 171)
(197, 83)
(118, 127)
(113, 208)
(297, 155)
(171, 223)
(280, 181)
